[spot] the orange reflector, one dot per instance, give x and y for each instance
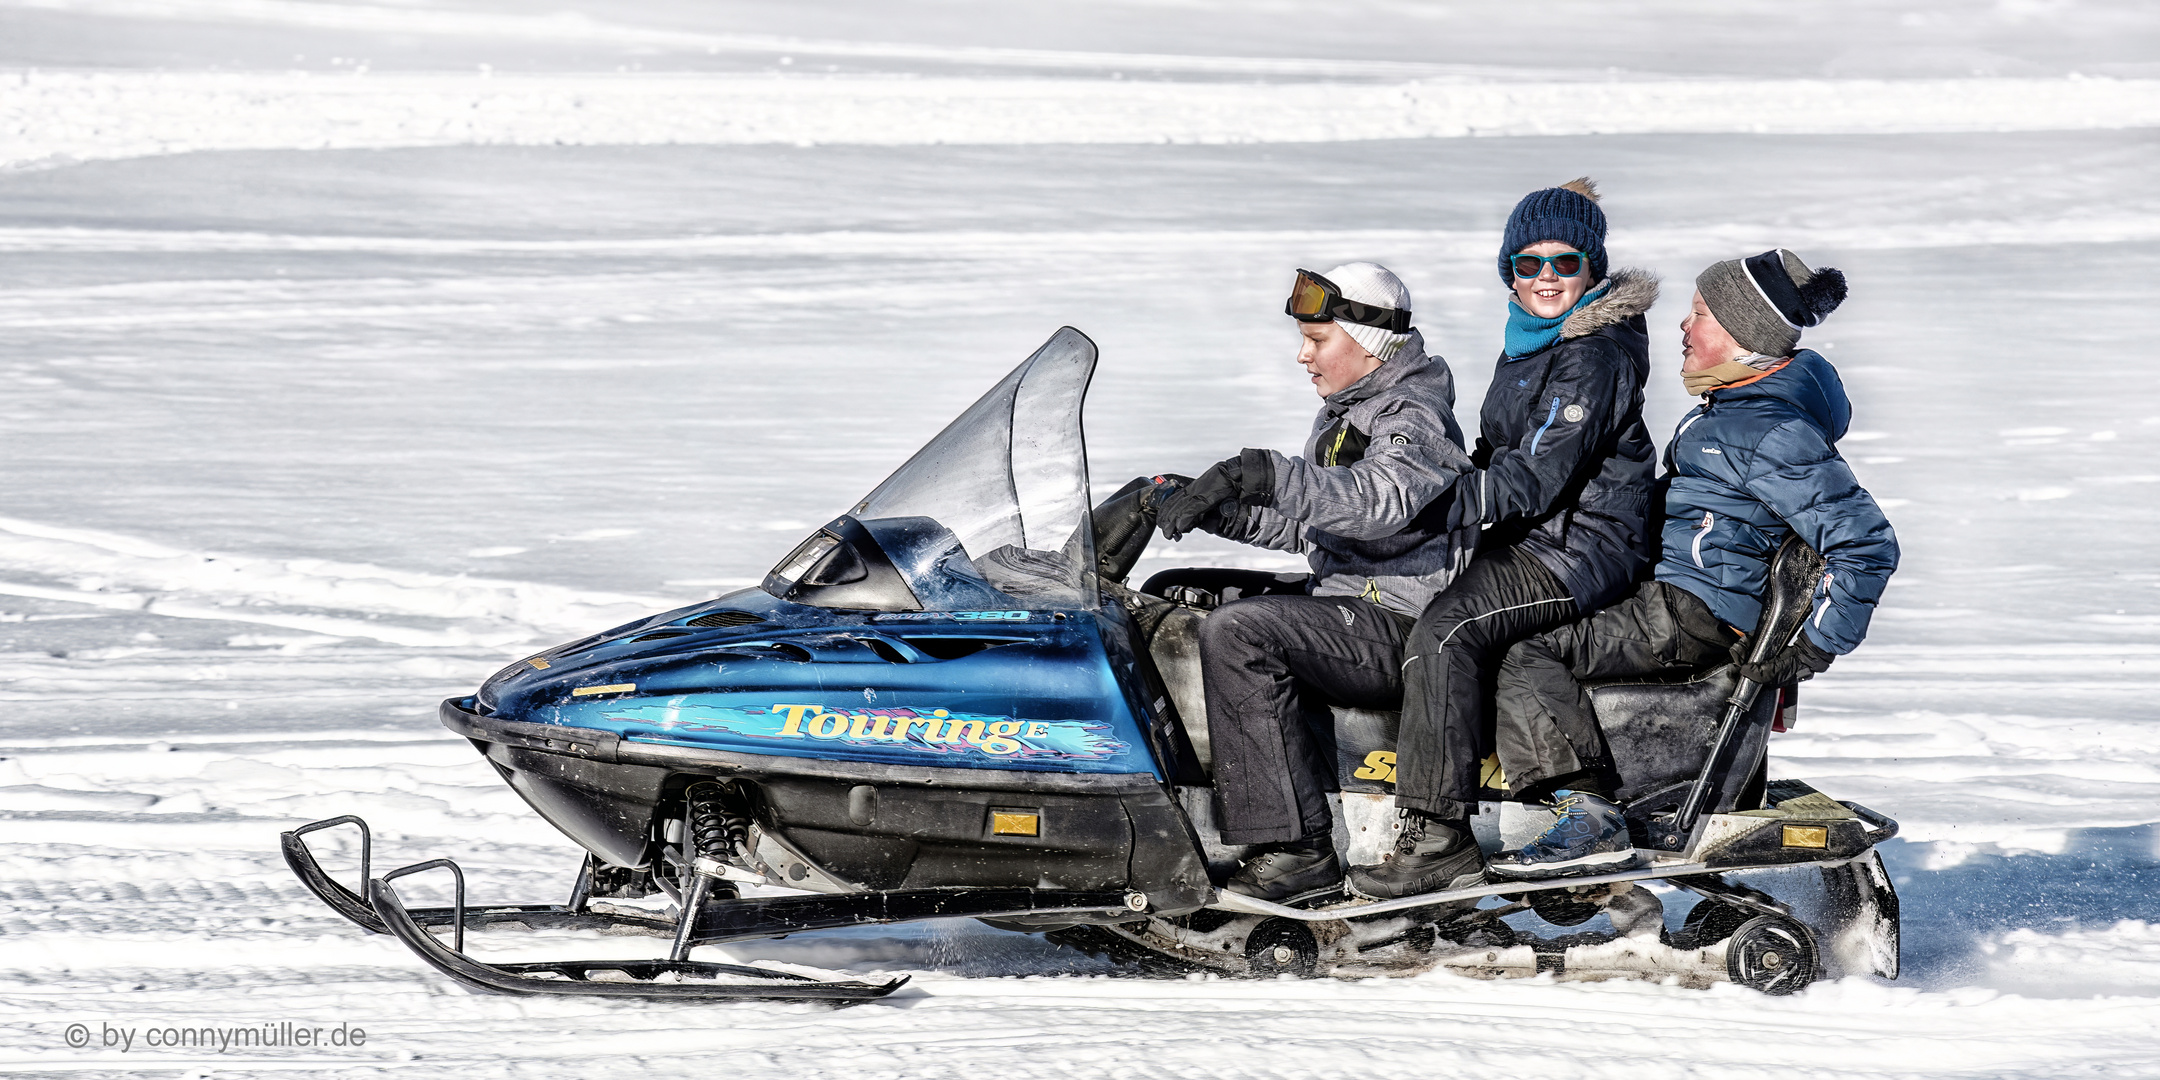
(1015, 823)
(1817, 836)
(611, 688)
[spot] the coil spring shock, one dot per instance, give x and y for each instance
(718, 830)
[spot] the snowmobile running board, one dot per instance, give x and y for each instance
(1690, 875)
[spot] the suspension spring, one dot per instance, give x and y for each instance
(718, 828)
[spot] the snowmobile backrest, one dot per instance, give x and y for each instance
(1660, 733)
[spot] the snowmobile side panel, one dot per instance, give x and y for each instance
(459, 716)
(891, 836)
(904, 836)
(1028, 691)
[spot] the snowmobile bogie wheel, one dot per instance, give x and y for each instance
(1281, 947)
(1771, 953)
(1711, 921)
(1561, 908)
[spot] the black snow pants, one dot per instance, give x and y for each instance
(1449, 669)
(1271, 666)
(1545, 729)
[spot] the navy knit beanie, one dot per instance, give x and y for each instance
(1568, 213)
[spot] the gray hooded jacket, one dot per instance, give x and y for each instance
(1365, 503)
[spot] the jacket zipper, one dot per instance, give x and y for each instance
(1550, 415)
(1703, 530)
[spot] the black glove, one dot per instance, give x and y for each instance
(1239, 482)
(1160, 489)
(1798, 663)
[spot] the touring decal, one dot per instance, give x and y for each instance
(931, 733)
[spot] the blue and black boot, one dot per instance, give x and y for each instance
(1589, 837)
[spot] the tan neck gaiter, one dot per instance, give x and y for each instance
(1729, 373)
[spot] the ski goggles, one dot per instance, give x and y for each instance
(1316, 299)
(1565, 264)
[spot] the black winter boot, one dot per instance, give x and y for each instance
(1431, 855)
(1288, 873)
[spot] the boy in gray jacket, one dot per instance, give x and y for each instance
(1365, 505)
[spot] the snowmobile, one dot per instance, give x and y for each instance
(947, 703)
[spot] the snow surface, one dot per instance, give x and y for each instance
(411, 367)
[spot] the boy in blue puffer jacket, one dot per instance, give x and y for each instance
(1755, 461)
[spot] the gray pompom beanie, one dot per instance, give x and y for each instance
(1765, 300)
(1372, 283)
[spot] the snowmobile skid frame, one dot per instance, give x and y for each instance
(1735, 933)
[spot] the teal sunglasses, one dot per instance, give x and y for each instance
(1565, 264)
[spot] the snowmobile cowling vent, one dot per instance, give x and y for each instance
(661, 635)
(713, 619)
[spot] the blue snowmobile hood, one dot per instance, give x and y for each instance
(1809, 384)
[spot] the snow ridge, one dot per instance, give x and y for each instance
(320, 596)
(53, 118)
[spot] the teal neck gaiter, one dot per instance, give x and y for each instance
(1528, 334)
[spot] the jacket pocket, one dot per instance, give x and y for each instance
(1702, 533)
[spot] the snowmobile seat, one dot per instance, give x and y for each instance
(1659, 730)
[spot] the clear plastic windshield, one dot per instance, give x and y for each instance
(991, 513)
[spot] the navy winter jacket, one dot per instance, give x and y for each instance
(1754, 462)
(1565, 466)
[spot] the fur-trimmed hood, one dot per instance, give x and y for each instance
(1631, 293)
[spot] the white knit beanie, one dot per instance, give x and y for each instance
(1372, 283)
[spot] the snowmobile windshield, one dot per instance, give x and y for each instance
(991, 514)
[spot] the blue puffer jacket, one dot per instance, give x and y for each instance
(1754, 462)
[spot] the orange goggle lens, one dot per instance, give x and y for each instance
(1308, 298)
